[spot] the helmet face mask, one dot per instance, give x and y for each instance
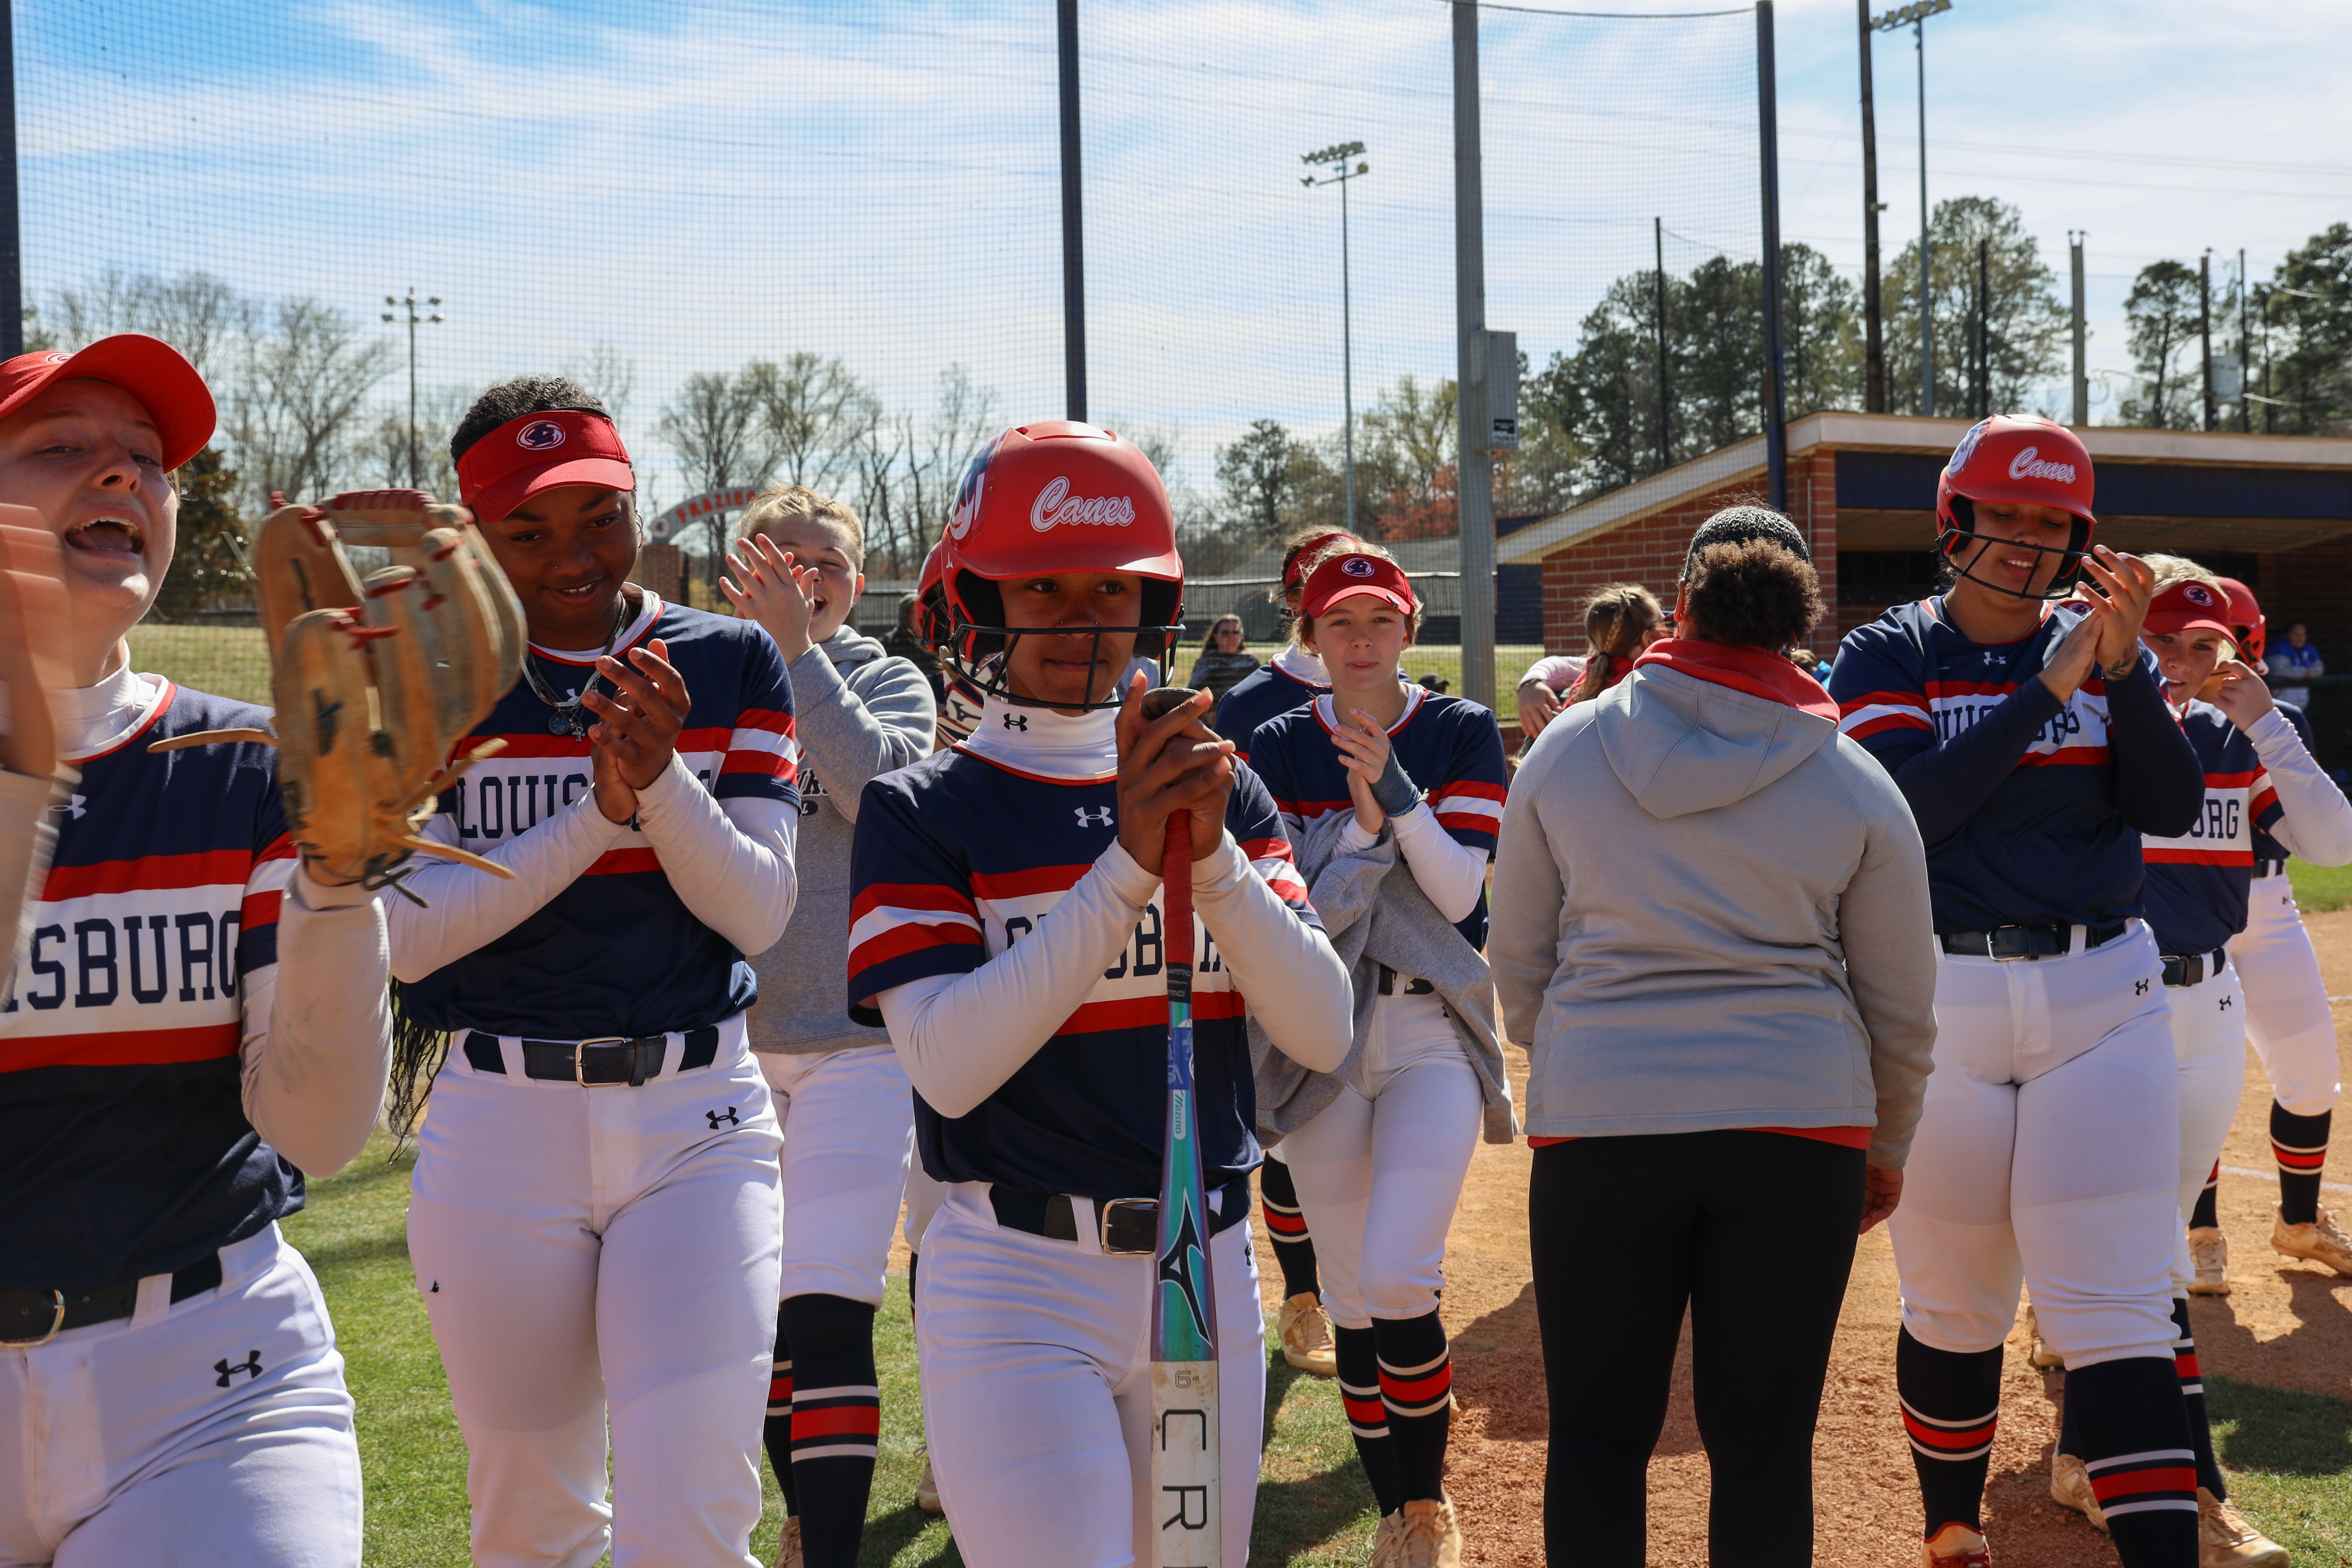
(1958, 543)
(2023, 459)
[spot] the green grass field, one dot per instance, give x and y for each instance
(2318, 889)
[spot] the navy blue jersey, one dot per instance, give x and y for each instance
(1257, 697)
(2265, 846)
(1448, 745)
(125, 1150)
(2197, 882)
(959, 857)
(2050, 844)
(616, 952)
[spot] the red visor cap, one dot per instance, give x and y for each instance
(2252, 630)
(538, 452)
(1302, 558)
(1058, 496)
(2019, 458)
(148, 369)
(2190, 606)
(1345, 577)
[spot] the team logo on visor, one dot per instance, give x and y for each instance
(967, 501)
(1356, 566)
(1055, 505)
(2198, 594)
(1968, 446)
(58, 358)
(539, 436)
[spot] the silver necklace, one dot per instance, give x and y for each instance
(565, 718)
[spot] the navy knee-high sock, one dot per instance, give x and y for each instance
(2300, 1146)
(1417, 1386)
(2134, 1429)
(1367, 1417)
(836, 1423)
(2207, 1216)
(776, 1432)
(1286, 1226)
(1951, 1407)
(2192, 1394)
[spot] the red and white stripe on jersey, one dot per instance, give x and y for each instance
(2075, 736)
(2224, 834)
(1273, 861)
(889, 920)
(1468, 804)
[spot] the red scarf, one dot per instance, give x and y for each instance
(1749, 669)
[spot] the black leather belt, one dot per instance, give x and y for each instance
(2196, 968)
(593, 1064)
(30, 1316)
(1414, 984)
(2026, 942)
(2269, 867)
(1126, 1227)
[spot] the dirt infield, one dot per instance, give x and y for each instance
(2285, 1326)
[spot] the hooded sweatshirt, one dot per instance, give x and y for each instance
(858, 711)
(1711, 911)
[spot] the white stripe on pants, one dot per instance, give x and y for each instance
(147, 1439)
(848, 1121)
(2209, 1048)
(2048, 1152)
(1035, 1358)
(2287, 1016)
(580, 1248)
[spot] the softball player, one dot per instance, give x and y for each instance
(841, 1096)
(595, 1221)
(1038, 1046)
(1380, 1166)
(191, 1024)
(2035, 748)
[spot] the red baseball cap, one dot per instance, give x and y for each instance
(538, 452)
(1344, 576)
(148, 369)
(2190, 606)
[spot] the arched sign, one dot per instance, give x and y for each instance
(700, 506)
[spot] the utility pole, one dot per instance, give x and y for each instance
(1776, 384)
(1984, 327)
(12, 250)
(2074, 238)
(416, 318)
(2205, 326)
(1665, 398)
(1915, 16)
(1073, 229)
(2245, 351)
(1339, 153)
(1874, 380)
(1474, 461)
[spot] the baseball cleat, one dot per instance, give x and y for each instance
(2209, 1254)
(927, 1489)
(2224, 1540)
(1428, 1536)
(1956, 1546)
(2070, 1486)
(2321, 1241)
(1306, 1333)
(788, 1545)
(2044, 1357)
(1388, 1539)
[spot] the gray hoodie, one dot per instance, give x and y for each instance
(1711, 911)
(858, 711)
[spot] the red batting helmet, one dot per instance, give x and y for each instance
(2024, 458)
(1048, 497)
(2251, 632)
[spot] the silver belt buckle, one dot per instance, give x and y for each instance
(1103, 1210)
(57, 1322)
(579, 1062)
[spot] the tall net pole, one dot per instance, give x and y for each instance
(1874, 385)
(1474, 467)
(1926, 286)
(12, 251)
(1768, 145)
(1074, 228)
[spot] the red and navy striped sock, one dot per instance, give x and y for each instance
(1417, 1386)
(2134, 1429)
(2192, 1393)
(836, 1423)
(1951, 1408)
(2206, 1216)
(1367, 1417)
(2300, 1146)
(1286, 1226)
(776, 1432)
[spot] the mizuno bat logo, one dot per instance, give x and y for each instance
(1180, 1267)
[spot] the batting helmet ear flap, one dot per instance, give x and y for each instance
(978, 602)
(1163, 603)
(1964, 517)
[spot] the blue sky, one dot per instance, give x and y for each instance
(698, 183)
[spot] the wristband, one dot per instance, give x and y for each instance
(1394, 792)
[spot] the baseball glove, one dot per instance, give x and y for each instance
(377, 681)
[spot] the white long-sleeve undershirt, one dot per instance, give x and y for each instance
(731, 862)
(1452, 874)
(316, 1042)
(2316, 820)
(960, 1037)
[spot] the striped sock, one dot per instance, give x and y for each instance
(2192, 1393)
(2134, 1435)
(776, 1432)
(1951, 1407)
(2300, 1146)
(836, 1423)
(1285, 1227)
(1417, 1386)
(1367, 1417)
(2206, 1216)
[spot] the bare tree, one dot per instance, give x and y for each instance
(713, 427)
(293, 412)
(382, 457)
(197, 313)
(816, 415)
(607, 373)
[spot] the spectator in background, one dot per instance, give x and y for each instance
(1222, 663)
(1621, 619)
(2295, 662)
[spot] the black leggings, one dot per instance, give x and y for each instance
(1755, 1231)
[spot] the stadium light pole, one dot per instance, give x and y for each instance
(1338, 155)
(2074, 238)
(1915, 16)
(407, 305)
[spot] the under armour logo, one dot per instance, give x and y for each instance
(2225, 1003)
(1016, 720)
(72, 808)
(251, 1363)
(728, 1116)
(1094, 816)
(2140, 987)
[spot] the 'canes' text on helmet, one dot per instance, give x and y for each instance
(2023, 459)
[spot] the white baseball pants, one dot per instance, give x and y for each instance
(211, 1433)
(1035, 1358)
(2048, 1152)
(1379, 1179)
(924, 1196)
(609, 1250)
(849, 1122)
(2209, 1048)
(2287, 1017)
